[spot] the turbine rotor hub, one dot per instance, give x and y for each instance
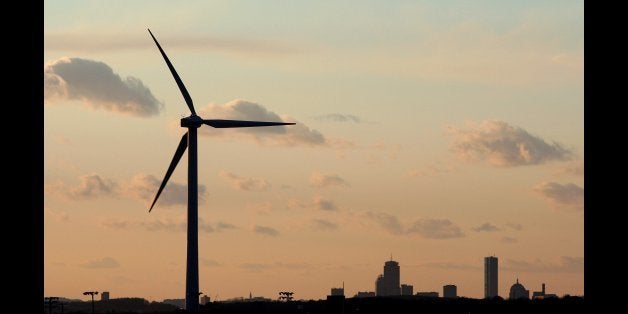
(192, 121)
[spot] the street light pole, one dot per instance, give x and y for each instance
(92, 293)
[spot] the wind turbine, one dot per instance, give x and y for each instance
(188, 141)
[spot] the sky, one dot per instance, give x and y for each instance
(435, 132)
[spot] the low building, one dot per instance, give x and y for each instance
(364, 294)
(431, 294)
(450, 291)
(104, 296)
(407, 289)
(205, 299)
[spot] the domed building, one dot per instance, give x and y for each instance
(518, 291)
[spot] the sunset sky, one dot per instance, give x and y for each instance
(439, 132)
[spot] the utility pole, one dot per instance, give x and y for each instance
(92, 293)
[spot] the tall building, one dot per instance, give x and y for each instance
(407, 290)
(518, 291)
(388, 283)
(104, 296)
(490, 277)
(450, 291)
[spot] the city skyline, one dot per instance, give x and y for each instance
(438, 132)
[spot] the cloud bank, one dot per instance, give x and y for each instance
(486, 227)
(95, 85)
(567, 197)
(246, 184)
(504, 145)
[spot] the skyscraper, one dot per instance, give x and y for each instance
(389, 283)
(490, 277)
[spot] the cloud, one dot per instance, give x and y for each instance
(57, 215)
(389, 222)
(325, 225)
(224, 226)
(144, 187)
(166, 224)
(487, 227)
(509, 240)
(172, 225)
(504, 145)
(433, 170)
(338, 117)
(114, 223)
(246, 184)
(210, 263)
(321, 180)
(96, 85)
(515, 226)
(431, 228)
(317, 202)
(324, 204)
(265, 230)
(90, 186)
(105, 262)
(292, 135)
(254, 267)
(568, 197)
(103, 42)
(566, 264)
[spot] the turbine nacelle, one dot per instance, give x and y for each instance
(192, 121)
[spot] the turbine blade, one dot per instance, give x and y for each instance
(184, 91)
(218, 123)
(183, 144)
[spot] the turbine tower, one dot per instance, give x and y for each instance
(192, 123)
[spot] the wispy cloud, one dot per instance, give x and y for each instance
(317, 202)
(508, 240)
(324, 225)
(321, 180)
(105, 262)
(486, 227)
(567, 197)
(210, 262)
(293, 135)
(566, 264)
(90, 186)
(338, 117)
(144, 188)
(389, 222)
(246, 183)
(165, 224)
(57, 215)
(515, 226)
(432, 228)
(114, 223)
(504, 145)
(265, 230)
(103, 42)
(95, 85)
